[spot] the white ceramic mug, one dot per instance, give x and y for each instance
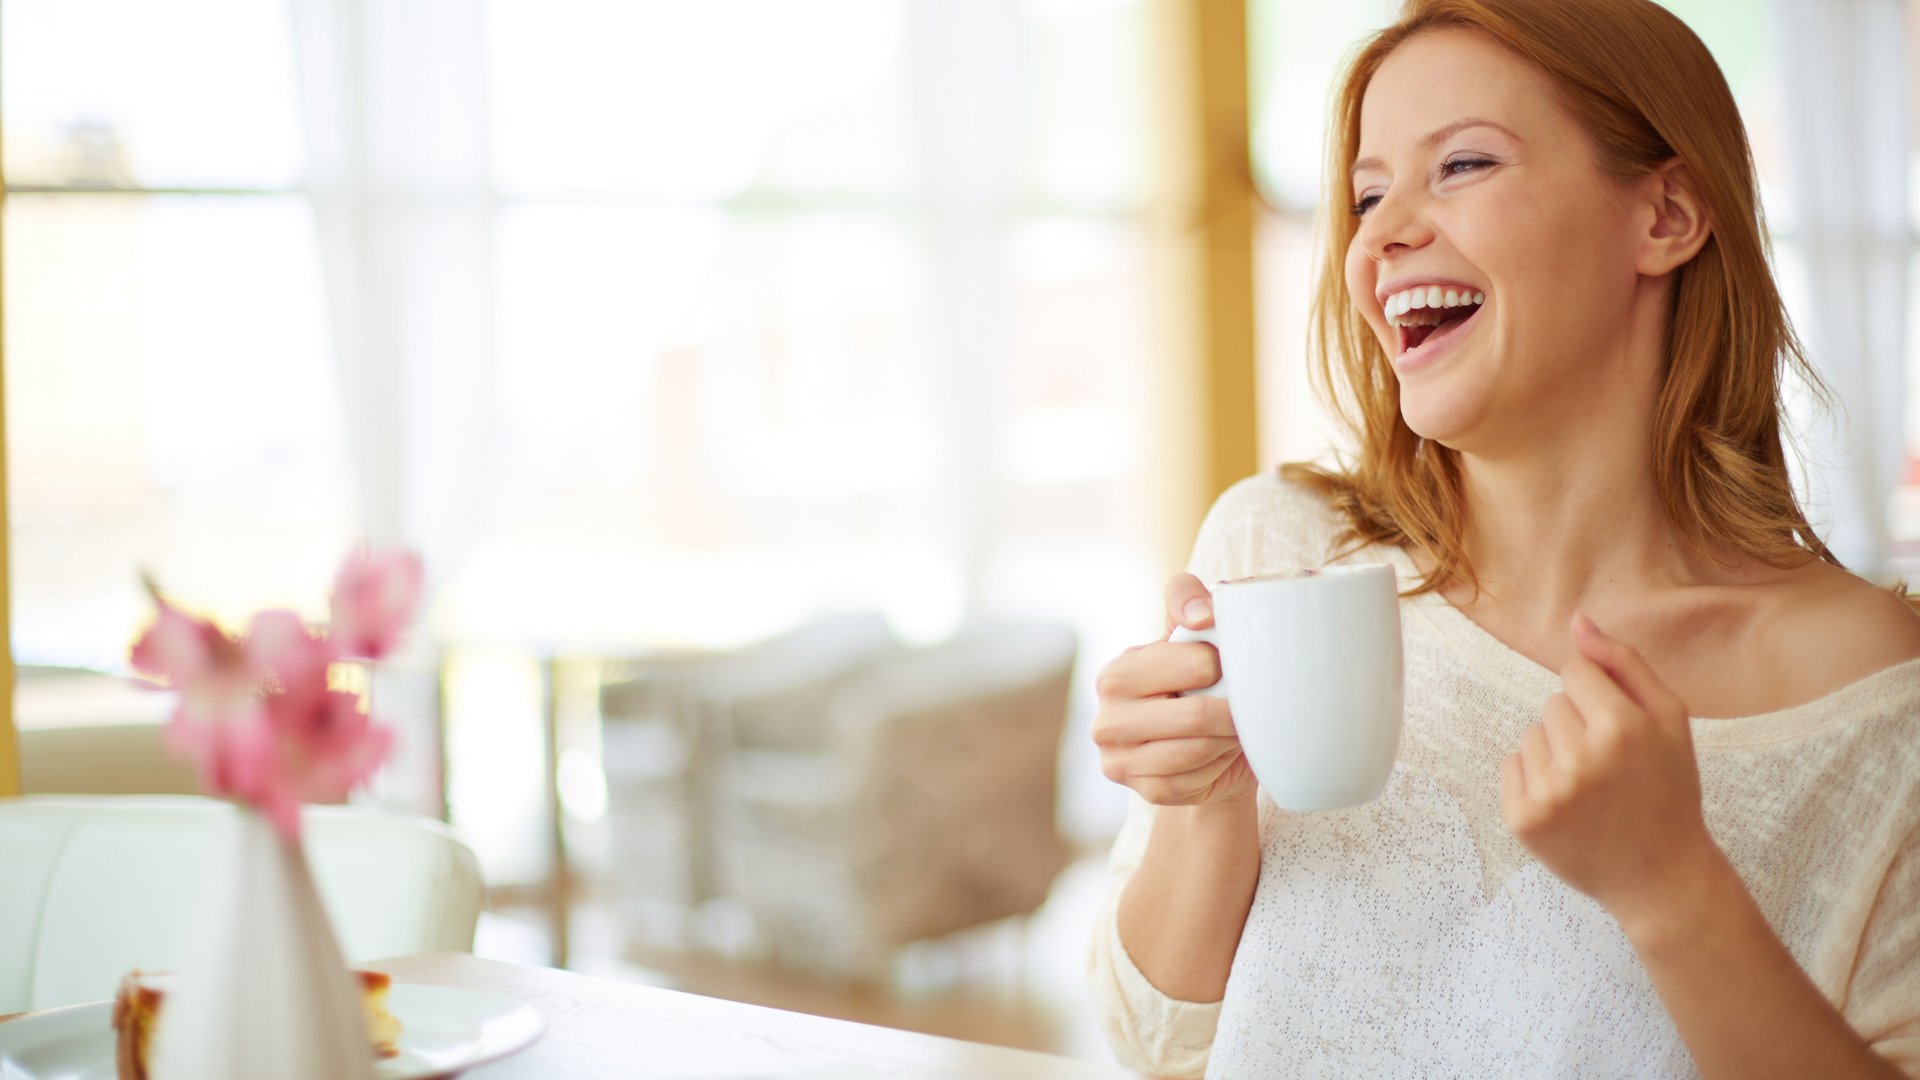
(1311, 666)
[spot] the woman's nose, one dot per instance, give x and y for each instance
(1393, 224)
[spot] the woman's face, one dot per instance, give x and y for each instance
(1477, 189)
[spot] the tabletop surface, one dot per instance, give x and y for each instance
(603, 1028)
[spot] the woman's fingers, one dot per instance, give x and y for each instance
(1172, 750)
(1131, 723)
(1187, 788)
(1168, 758)
(1189, 604)
(1513, 789)
(1635, 677)
(1606, 706)
(1157, 669)
(1565, 728)
(1536, 762)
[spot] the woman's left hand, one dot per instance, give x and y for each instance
(1604, 789)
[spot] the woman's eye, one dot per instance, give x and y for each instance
(1449, 168)
(1457, 166)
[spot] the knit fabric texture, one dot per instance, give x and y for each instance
(1414, 936)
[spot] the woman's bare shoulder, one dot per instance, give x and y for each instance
(1844, 624)
(1779, 638)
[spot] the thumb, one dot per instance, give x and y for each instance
(1624, 664)
(1188, 603)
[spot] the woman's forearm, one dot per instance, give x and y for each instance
(1743, 1006)
(1181, 914)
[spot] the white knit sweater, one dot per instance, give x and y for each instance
(1414, 936)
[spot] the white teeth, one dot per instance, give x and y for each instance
(1432, 297)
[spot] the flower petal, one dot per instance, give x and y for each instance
(178, 647)
(374, 598)
(281, 649)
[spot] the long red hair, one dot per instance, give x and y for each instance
(1646, 90)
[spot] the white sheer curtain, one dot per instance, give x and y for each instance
(393, 101)
(967, 91)
(1844, 97)
(657, 330)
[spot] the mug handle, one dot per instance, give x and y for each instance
(1182, 634)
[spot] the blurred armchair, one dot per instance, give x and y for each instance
(925, 803)
(669, 723)
(94, 887)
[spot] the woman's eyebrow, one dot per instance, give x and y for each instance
(1436, 137)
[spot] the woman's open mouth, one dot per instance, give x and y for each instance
(1427, 318)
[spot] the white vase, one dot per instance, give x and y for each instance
(262, 990)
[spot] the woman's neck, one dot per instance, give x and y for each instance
(1567, 516)
(1581, 529)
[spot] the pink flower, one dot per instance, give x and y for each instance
(318, 749)
(220, 748)
(256, 716)
(212, 671)
(373, 601)
(292, 659)
(178, 647)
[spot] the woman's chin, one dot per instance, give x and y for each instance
(1442, 421)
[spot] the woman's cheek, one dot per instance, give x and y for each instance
(1360, 285)
(1358, 270)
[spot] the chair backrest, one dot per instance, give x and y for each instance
(957, 753)
(760, 694)
(825, 647)
(93, 887)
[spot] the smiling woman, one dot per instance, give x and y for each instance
(1688, 844)
(1565, 164)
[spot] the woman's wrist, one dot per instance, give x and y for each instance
(1737, 995)
(1674, 910)
(1215, 839)
(1221, 816)
(1180, 915)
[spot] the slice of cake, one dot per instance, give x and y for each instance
(383, 1026)
(136, 1009)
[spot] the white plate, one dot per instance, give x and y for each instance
(444, 1032)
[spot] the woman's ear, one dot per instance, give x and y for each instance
(1678, 226)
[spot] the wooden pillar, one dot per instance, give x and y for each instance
(1203, 227)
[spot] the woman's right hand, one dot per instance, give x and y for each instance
(1174, 751)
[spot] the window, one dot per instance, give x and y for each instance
(171, 404)
(651, 322)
